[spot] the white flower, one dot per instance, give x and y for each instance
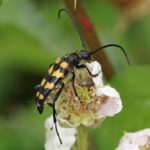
(135, 141)
(96, 100)
(68, 136)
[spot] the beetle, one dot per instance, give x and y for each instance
(61, 68)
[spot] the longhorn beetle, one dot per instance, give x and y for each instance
(61, 68)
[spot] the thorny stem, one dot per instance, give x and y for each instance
(82, 142)
(89, 34)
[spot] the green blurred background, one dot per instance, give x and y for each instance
(31, 37)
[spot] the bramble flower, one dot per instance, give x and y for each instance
(135, 141)
(95, 102)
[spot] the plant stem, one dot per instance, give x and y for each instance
(82, 142)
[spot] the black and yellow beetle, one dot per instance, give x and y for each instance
(61, 69)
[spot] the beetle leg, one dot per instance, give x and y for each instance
(50, 104)
(73, 81)
(54, 110)
(84, 66)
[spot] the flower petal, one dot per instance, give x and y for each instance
(134, 141)
(52, 141)
(112, 104)
(95, 68)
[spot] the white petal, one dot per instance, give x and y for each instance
(127, 146)
(112, 105)
(68, 136)
(95, 68)
(133, 141)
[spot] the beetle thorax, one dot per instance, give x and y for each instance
(75, 58)
(72, 59)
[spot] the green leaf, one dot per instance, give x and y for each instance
(25, 130)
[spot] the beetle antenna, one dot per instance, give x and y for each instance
(112, 45)
(76, 25)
